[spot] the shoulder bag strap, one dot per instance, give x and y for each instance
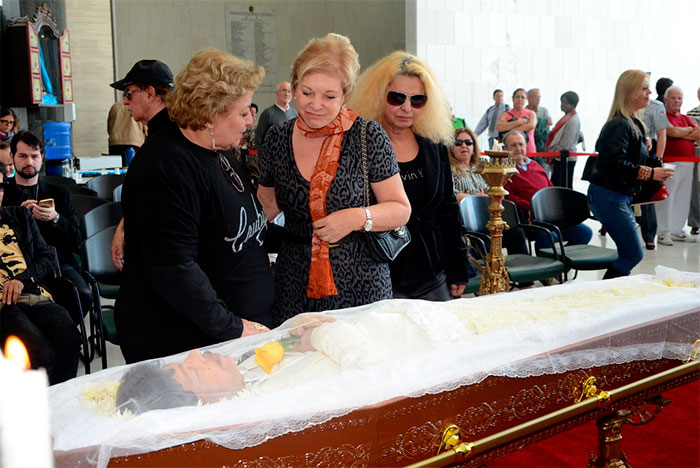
(365, 175)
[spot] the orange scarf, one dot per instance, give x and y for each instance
(321, 282)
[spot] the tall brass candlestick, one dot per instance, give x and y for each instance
(496, 172)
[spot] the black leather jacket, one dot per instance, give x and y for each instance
(620, 153)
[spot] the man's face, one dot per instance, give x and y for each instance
(136, 99)
(210, 376)
(674, 101)
(516, 144)
(6, 159)
(533, 99)
(284, 94)
(27, 161)
(498, 98)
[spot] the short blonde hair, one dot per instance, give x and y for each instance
(208, 85)
(435, 119)
(455, 164)
(333, 54)
(628, 84)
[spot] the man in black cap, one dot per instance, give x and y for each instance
(145, 88)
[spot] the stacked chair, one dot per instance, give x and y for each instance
(98, 217)
(557, 208)
(522, 268)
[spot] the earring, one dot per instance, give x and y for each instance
(213, 143)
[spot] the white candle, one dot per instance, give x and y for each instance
(24, 417)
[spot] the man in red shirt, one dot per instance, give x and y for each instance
(672, 213)
(529, 180)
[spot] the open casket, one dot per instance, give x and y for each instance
(388, 378)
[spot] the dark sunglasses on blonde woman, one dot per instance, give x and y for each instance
(395, 98)
(464, 142)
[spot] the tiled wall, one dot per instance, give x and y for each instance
(476, 46)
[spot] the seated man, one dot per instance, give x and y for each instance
(529, 180)
(51, 206)
(27, 309)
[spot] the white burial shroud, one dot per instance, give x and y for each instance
(390, 349)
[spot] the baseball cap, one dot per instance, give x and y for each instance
(148, 72)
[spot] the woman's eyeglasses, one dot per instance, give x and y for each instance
(230, 173)
(464, 142)
(395, 98)
(7, 122)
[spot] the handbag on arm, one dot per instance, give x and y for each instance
(651, 191)
(384, 246)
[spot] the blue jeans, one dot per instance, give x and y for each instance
(614, 211)
(577, 235)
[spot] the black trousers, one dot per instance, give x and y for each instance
(49, 334)
(558, 174)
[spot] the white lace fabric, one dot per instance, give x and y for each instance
(391, 349)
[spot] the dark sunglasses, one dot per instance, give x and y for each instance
(230, 173)
(127, 94)
(395, 98)
(462, 142)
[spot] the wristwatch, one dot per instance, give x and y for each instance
(368, 223)
(55, 220)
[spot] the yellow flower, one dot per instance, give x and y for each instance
(268, 355)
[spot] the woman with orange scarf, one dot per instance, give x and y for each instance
(311, 169)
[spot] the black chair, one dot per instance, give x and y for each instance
(105, 184)
(101, 217)
(65, 294)
(80, 190)
(522, 267)
(104, 279)
(85, 203)
(59, 180)
(117, 193)
(558, 208)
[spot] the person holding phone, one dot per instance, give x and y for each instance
(50, 205)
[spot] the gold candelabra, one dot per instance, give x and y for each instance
(497, 171)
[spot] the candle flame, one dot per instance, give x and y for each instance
(17, 352)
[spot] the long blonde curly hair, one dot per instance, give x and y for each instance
(435, 119)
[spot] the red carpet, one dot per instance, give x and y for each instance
(672, 440)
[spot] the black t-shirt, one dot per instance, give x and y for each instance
(194, 257)
(414, 183)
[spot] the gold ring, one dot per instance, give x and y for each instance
(259, 327)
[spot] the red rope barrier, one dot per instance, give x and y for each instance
(552, 154)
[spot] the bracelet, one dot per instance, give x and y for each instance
(651, 177)
(643, 173)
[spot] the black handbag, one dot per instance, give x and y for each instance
(651, 191)
(383, 246)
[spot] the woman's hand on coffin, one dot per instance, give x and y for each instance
(339, 224)
(252, 328)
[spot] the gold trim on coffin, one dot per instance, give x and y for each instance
(610, 454)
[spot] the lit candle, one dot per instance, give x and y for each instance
(24, 412)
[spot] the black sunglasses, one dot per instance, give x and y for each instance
(461, 142)
(395, 98)
(230, 173)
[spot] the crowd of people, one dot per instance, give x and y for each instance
(360, 154)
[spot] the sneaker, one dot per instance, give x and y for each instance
(695, 231)
(682, 237)
(665, 239)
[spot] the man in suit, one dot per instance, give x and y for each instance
(51, 206)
